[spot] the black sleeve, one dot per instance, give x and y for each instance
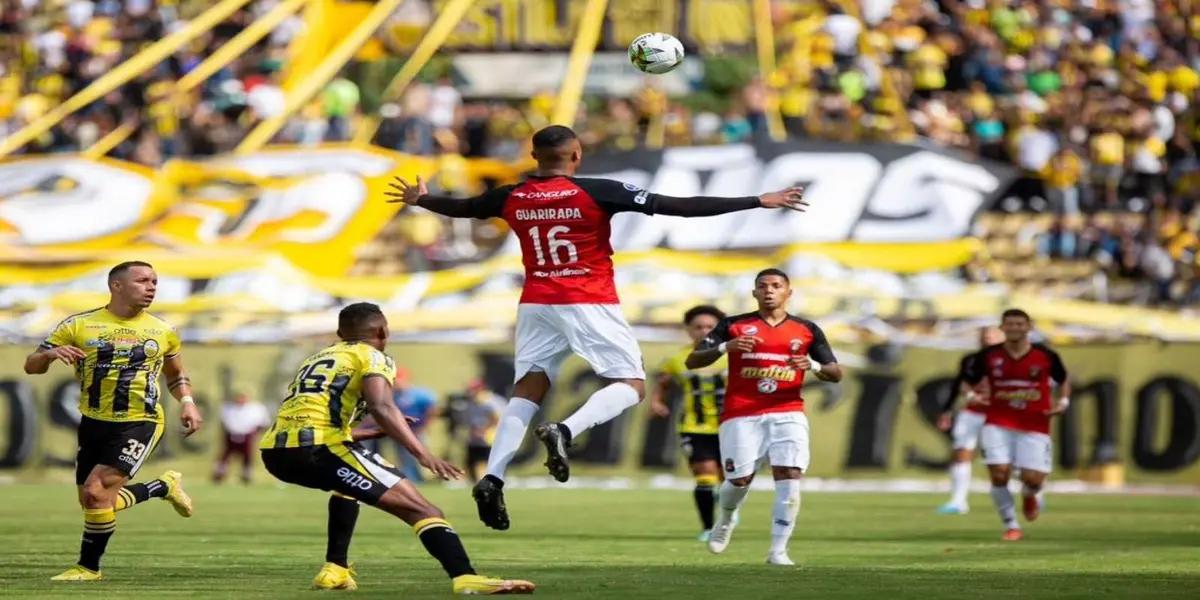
(615, 197)
(719, 334)
(973, 368)
(484, 206)
(819, 349)
(961, 377)
(1058, 371)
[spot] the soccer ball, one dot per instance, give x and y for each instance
(656, 53)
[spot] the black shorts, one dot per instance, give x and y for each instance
(700, 447)
(346, 468)
(477, 454)
(124, 446)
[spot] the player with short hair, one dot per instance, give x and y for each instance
(770, 352)
(569, 302)
(118, 351)
(312, 444)
(1017, 433)
(964, 428)
(701, 392)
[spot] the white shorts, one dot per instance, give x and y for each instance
(598, 333)
(781, 437)
(967, 425)
(1026, 450)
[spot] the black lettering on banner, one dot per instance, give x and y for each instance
(1104, 447)
(22, 423)
(658, 448)
(931, 396)
(874, 419)
(1183, 444)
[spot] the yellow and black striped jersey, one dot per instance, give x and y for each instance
(118, 377)
(325, 399)
(703, 392)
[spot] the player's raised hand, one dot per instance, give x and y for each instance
(792, 198)
(744, 343)
(67, 354)
(403, 192)
(441, 468)
(190, 417)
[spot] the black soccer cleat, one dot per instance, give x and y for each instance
(554, 437)
(489, 498)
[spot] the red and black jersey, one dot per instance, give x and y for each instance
(1019, 386)
(762, 381)
(563, 224)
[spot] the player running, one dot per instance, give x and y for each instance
(1017, 432)
(311, 444)
(117, 352)
(966, 426)
(770, 352)
(569, 302)
(701, 392)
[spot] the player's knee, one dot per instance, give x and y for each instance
(742, 481)
(999, 477)
(784, 473)
(94, 495)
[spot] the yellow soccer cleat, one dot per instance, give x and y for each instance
(78, 573)
(335, 577)
(179, 499)
(478, 584)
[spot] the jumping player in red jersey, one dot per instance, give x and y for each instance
(1017, 433)
(964, 427)
(770, 351)
(569, 302)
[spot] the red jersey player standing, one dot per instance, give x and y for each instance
(1017, 432)
(770, 352)
(569, 302)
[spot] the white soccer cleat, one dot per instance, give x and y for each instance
(780, 558)
(719, 538)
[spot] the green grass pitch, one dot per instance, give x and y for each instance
(268, 542)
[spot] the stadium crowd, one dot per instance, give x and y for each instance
(1095, 102)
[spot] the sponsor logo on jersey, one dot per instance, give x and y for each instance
(127, 459)
(767, 386)
(567, 272)
(548, 214)
(1018, 395)
(547, 195)
(353, 479)
(765, 356)
(776, 372)
(751, 330)
(1035, 371)
(150, 348)
(94, 343)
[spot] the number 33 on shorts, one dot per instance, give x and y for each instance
(134, 449)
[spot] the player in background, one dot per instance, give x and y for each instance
(569, 302)
(312, 444)
(1017, 433)
(701, 393)
(964, 428)
(118, 351)
(770, 352)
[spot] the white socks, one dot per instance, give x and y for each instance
(510, 432)
(1003, 500)
(960, 483)
(603, 406)
(783, 514)
(729, 499)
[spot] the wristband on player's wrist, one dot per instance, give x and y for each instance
(1064, 402)
(187, 400)
(815, 367)
(723, 347)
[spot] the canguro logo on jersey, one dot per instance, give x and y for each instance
(547, 194)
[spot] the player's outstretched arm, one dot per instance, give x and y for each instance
(181, 388)
(706, 206)
(484, 206)
(377, 393)
(39, 361)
